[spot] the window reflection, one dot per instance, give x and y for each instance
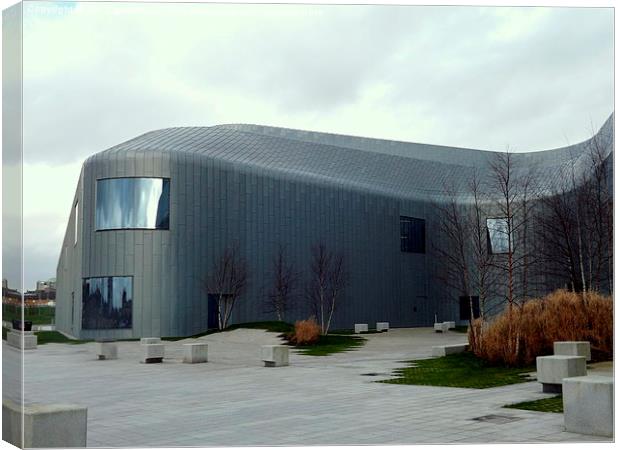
(133, 203)
(106, 302)
(498, 235)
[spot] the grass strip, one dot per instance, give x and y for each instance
(331, 344)
(551, 404)
(463, 370)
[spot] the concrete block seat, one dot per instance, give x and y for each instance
(195, 352)
(361, 327)
(444, 350)
(441, 327)
(551, 370)
(150, 340)
(106, 349)
(451, 325)
(383, 326)
(56, 425)
(152, 353)
(23, 340)
(589, 405)
(572, 348)
(275, 355)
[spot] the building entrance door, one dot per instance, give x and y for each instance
(212, 318)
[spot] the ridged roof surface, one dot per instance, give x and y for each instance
(395, 168)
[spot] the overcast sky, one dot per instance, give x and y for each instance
(101, 73)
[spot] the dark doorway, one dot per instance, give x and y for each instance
(464, 307)
(212, 317)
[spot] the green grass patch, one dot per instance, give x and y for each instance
(462, 370)
(54, 337)
(42, 315)
(461, 328)
(551, 404)
(330, 344)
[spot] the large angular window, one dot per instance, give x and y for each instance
(497, 234)
(106, 302)
(133, 203)
(412, 235)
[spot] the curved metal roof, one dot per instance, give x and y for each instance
(395, 168)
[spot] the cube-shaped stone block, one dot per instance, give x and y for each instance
(361, 327)
(443, 350)
(46, 426)
(451, 325)
(152, 353)
(441, 327)
(589, 405)
(551, 370)
(572, 348)
(196, 352)
(106, 350)
(274, 355)
(150, 340)
(383, 326)
(23, 340)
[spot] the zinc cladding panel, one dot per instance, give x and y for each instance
(345, 196)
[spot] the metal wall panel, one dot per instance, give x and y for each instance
(229, 186)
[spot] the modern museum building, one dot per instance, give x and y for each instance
(151, 216)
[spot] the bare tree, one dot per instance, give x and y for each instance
(576, 222)
(227, 280)
(465, 263)
(453, 247)
(328, 280)
(282, 293)
(481, 256)
(514, 192)
(599, 195)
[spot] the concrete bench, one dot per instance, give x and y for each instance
(150, 340)
(443, 350)
(152, 353)
(361, 327)
(589, 405)
(106, 349)
(451, 325)
(23, 340)
(274, 355)
(572, 348)
(551, 370)
(196, 352)
(441, 327)
(44, 426)
(383, 326)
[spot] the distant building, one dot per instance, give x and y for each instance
(46, 285)
(10, 296)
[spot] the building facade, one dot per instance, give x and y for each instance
(152, 215)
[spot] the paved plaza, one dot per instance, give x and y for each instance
(233, 401)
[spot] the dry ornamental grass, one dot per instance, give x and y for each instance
(517, 337)
(307, 332)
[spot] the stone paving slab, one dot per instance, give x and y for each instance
(233, 401)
